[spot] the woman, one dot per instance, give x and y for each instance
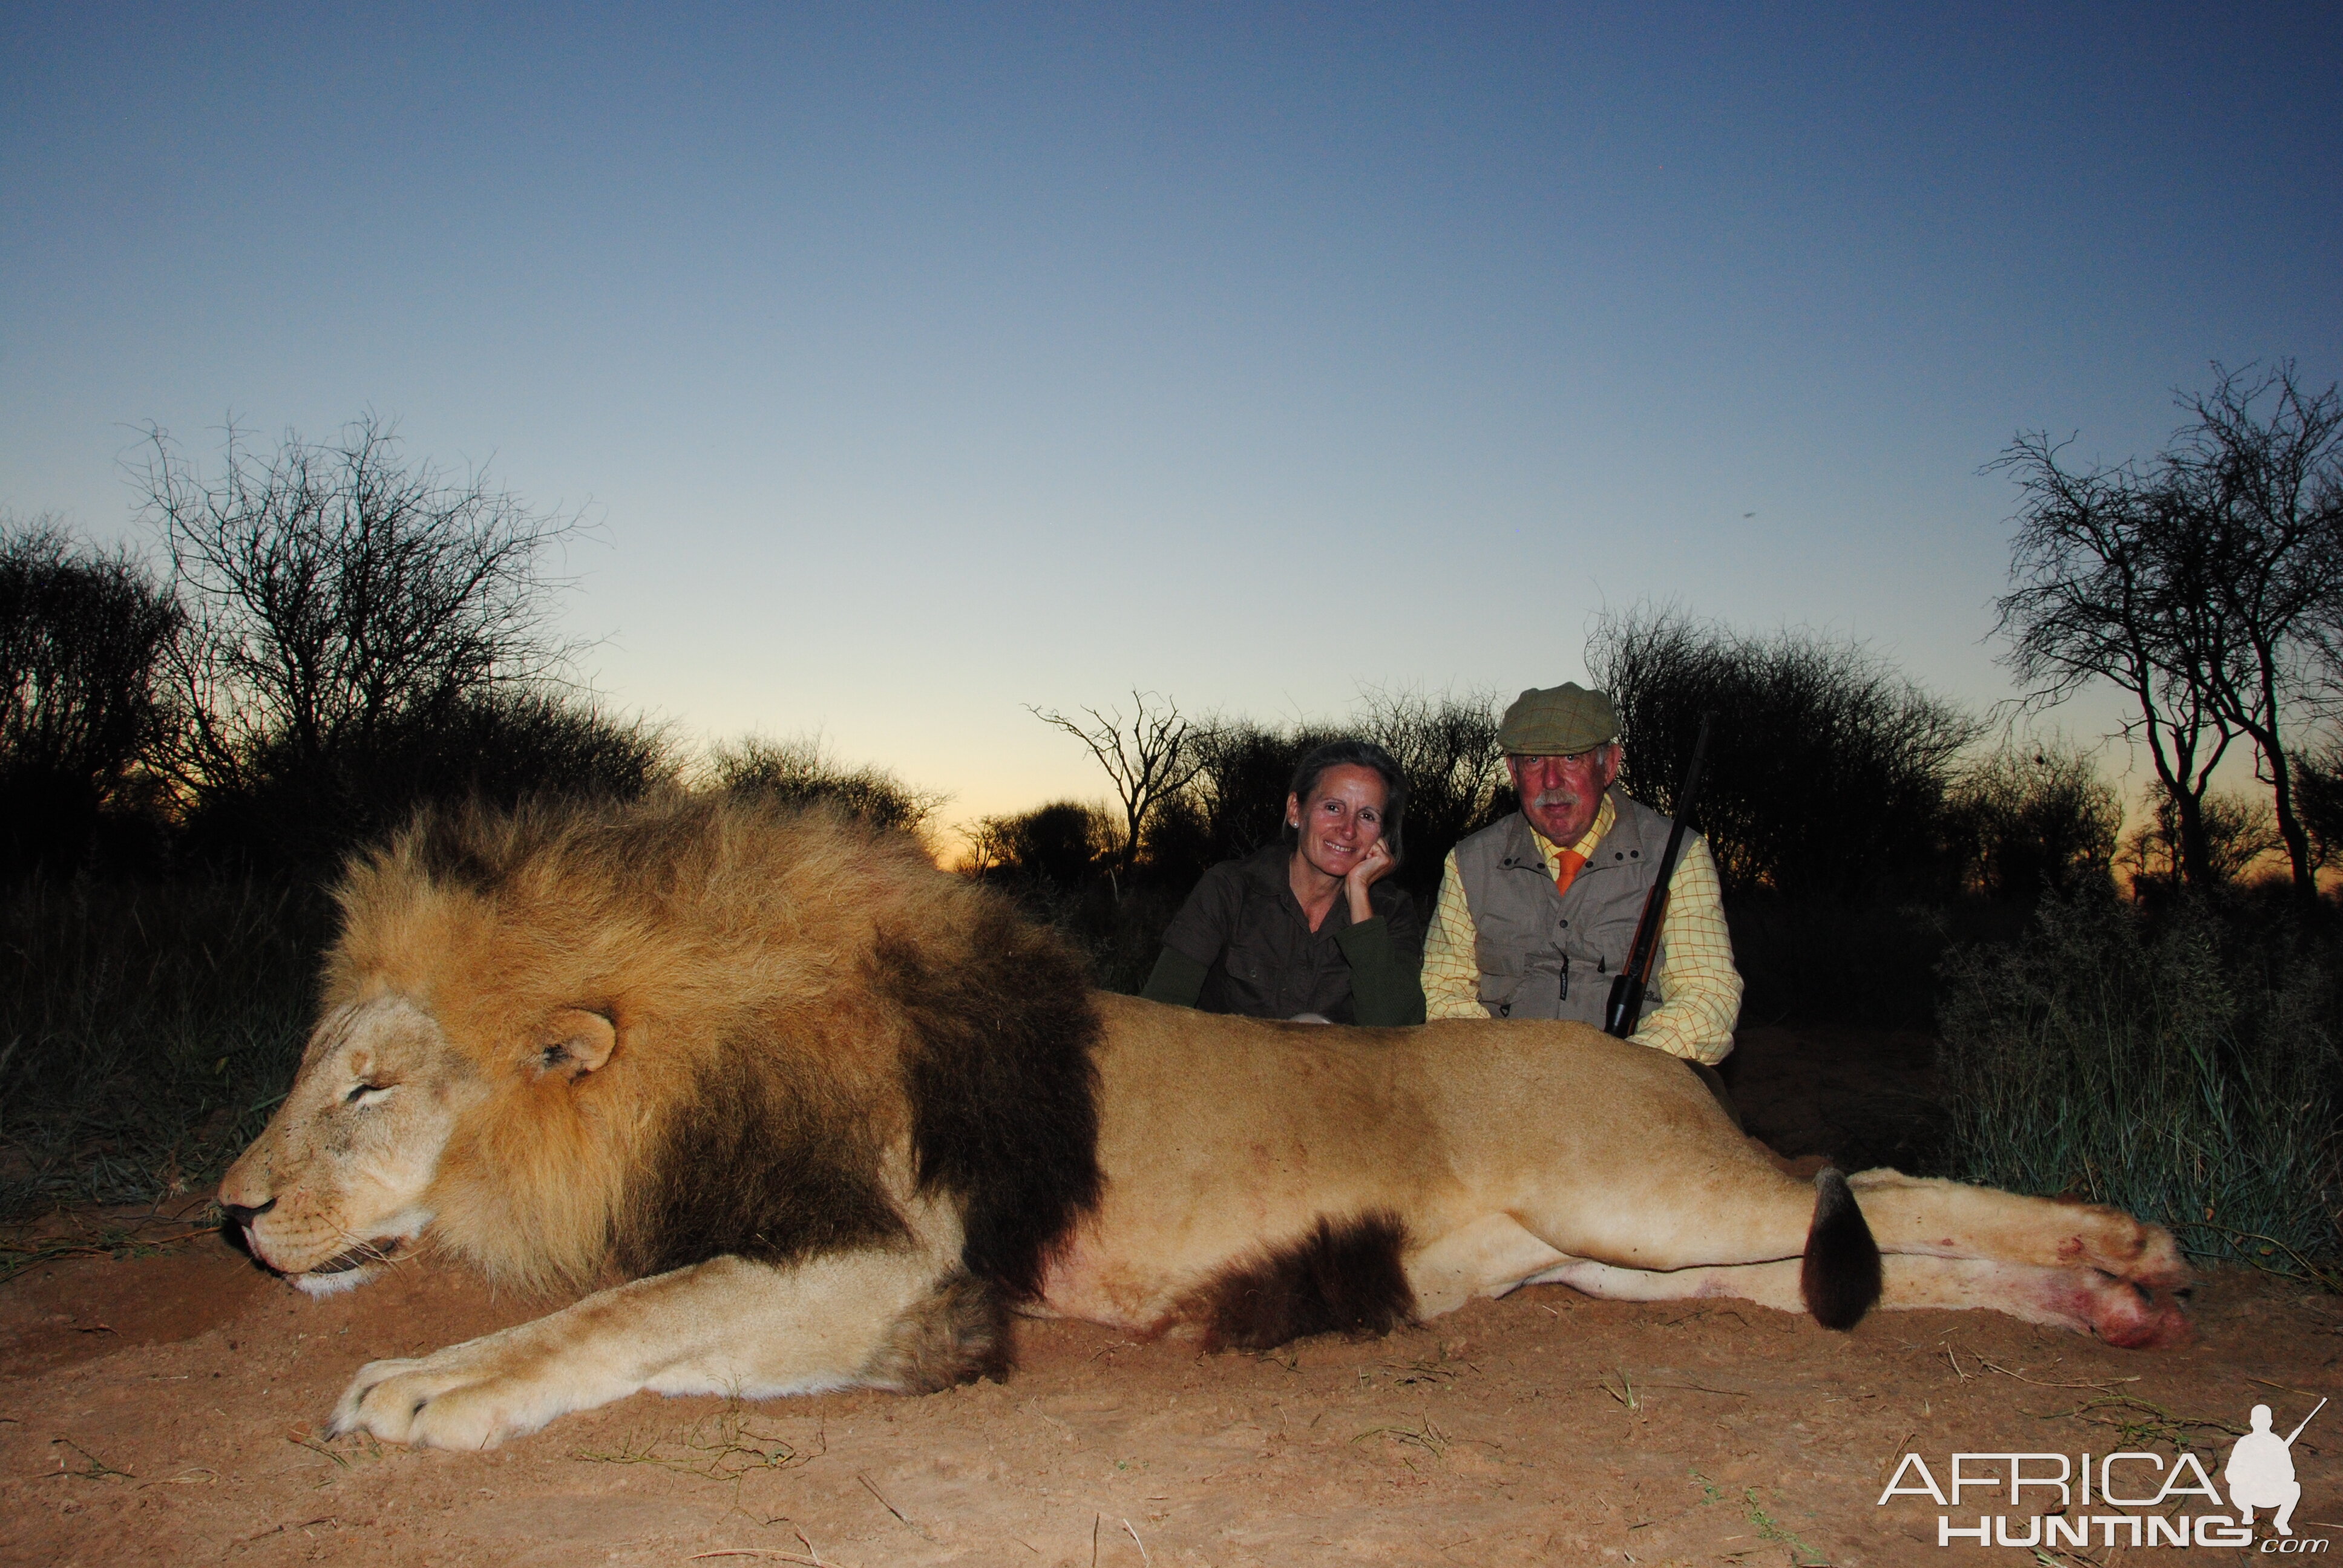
(1308, 925)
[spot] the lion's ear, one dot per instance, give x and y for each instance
(577, 1041)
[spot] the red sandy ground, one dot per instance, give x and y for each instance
(168, 1409)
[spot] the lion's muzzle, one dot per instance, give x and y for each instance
(244, 1222)
(242, 1215)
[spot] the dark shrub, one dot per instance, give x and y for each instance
(298, 811)
(2030, 818)
(1447, 747)
(1065, 846)
(82, 638)
(2319, 785)
(1827, 772)
(2237, 831)
(802, 772)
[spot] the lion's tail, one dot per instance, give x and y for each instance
(1840, 1278)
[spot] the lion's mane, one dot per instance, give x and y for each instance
(792, 994)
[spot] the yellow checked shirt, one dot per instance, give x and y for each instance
(1694, 973)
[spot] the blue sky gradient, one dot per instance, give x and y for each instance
(918, 363)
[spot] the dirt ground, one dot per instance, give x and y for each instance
(168, 1408)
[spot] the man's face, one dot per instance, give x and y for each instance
(1560, 795)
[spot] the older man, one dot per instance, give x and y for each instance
(1536, 911)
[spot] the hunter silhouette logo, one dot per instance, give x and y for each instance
(2132, 1498)
(2261, 1471)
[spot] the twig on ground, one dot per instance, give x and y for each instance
(1703, 1388)
(2148, 1423)
(1894, 1453)
(727, 1452)
(889, 1507)
(318, 1448)
(2101, 1387)
(198, 1476)
(1427, 1437)
(98, 1469)
(15, 1257)
(1625, 1393)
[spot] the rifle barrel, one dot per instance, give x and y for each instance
(1627, 989)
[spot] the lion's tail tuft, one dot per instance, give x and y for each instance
(1840, 1279)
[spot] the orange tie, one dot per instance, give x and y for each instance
(1571, 862)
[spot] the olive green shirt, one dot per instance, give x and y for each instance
(1242, 944)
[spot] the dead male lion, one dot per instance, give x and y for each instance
(835, 1114)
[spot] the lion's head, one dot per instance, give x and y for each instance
(343, 1178)
(565, 1039)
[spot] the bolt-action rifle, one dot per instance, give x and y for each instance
(1625, 1009)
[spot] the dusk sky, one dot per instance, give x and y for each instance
(915, 363)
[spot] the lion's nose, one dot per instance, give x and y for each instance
(242, 1215)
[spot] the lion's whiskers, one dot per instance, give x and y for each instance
(368, 1251)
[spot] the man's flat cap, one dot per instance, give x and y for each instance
(1557, 722)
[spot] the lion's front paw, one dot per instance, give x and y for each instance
(443, 1401)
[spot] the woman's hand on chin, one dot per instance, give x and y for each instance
(1377, 860)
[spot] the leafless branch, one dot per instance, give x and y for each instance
(1149, 757)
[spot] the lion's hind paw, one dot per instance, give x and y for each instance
(2159, 1267)
(2130, 1250)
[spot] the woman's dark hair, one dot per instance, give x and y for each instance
(1354, 754)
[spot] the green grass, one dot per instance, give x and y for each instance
(145, 1033)
(2182, 1065)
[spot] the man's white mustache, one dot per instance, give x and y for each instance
(1555, 798)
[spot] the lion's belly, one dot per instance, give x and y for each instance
(1170, 1229)
(1171, 1223)
(1225, 1140)
(1146, 1260)
(1086, 1281)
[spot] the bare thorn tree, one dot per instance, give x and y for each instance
(332, 590)
(2208, 586)
(2105, 586)
(1150, 759)
(2266, 489)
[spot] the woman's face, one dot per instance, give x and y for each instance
(1343, 817)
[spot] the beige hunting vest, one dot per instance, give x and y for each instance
(1545, 954)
